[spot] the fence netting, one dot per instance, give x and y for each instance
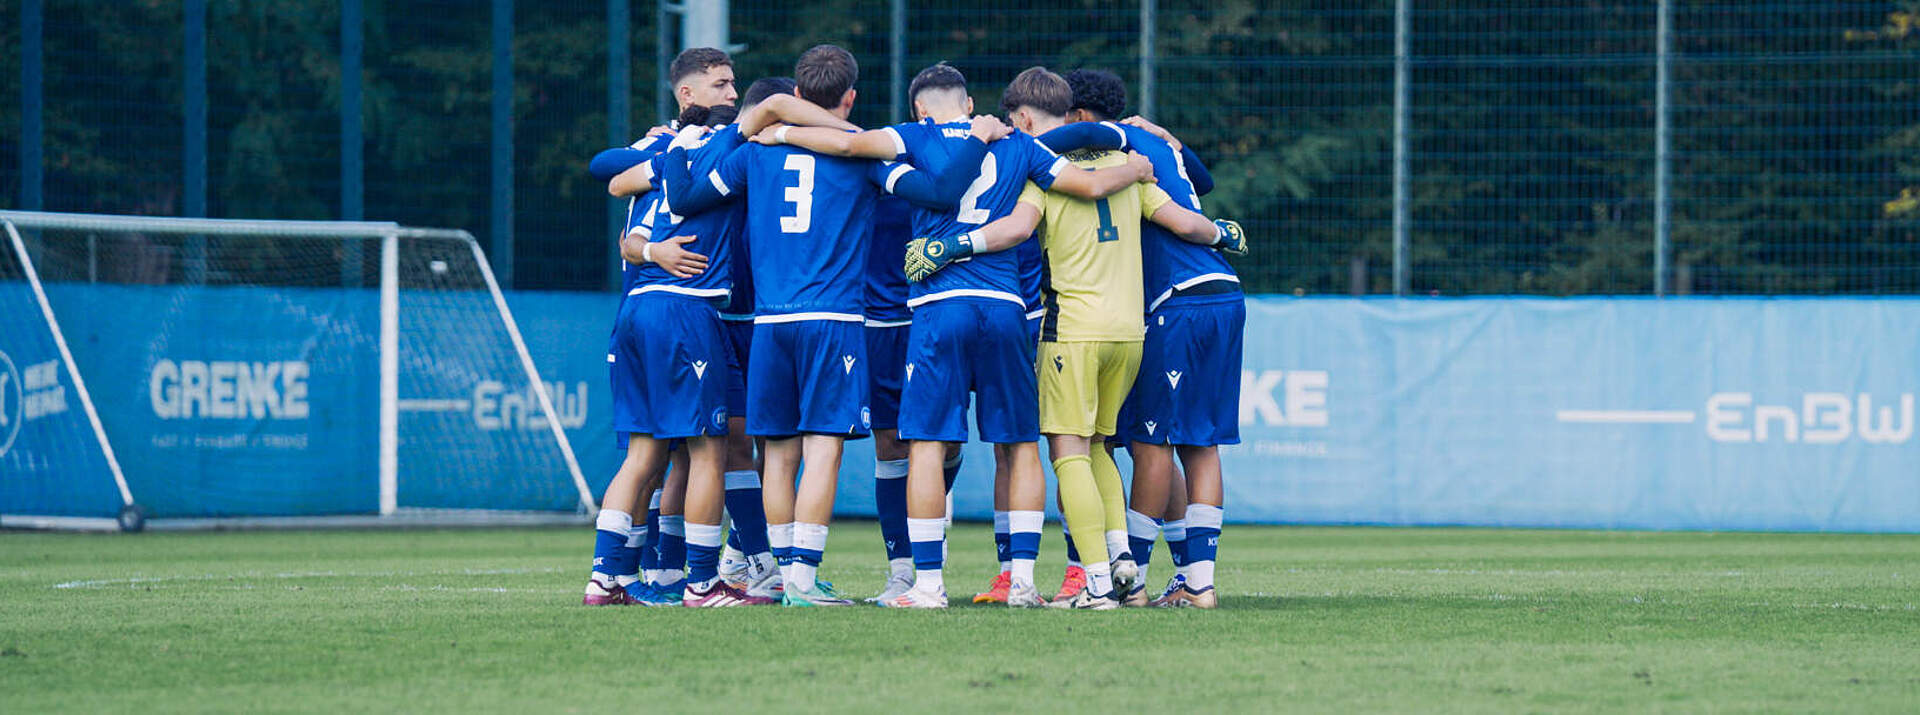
(1794, 126)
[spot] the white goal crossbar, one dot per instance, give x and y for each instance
(390, 234)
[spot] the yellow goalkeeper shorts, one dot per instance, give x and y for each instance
(1082, 385)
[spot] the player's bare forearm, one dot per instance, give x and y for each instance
(1007, 231)
(636, 180)
(1154, 129)
(1188, 225)
(791, 110)
(1101, 183)
(831, 142)
(670, 255)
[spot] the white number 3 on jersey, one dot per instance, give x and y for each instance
(800, 194)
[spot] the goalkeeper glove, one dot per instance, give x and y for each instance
(928, 255)
(1232, 238)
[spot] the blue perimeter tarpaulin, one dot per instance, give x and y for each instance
(1727, 413)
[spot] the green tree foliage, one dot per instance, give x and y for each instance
(1531, 125)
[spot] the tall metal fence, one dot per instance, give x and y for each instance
(1554, 147)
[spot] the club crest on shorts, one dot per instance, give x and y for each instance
(846, 361)
(866, 418)
(1173, 378)
(720, 418)
(699, 369)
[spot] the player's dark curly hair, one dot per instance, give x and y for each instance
(693, 115)
(766, 87)
(722, 115)
(694, 60)
(940, 76)
(825, 73)
(1098, 91)
(719, 116)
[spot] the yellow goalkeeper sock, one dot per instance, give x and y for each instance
(1113, 496)
(1080, 505)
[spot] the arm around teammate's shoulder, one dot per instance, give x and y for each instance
(791, 110)
(1101, 183)
(1191, 226)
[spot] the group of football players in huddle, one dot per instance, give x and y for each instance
(1051, 271)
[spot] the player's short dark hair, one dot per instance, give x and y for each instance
(1098, 91)
(695, 60)
(766, 87)
(824, 74)
(1041, 89)
(940, 76)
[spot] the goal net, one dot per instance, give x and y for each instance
(217, 372)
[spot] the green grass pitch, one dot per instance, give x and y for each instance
(1317, 619)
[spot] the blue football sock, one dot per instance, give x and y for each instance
(673, 547)
(927, 535)
(749, 513)
(929, 553)
(1001, 538)
(1203, 542)
(1023, 535)
(1176, 534)
(611, 555)
(703, 552)
(890, 502)
(1142, 530)
(650, 549)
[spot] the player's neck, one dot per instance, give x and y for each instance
(1042, 125)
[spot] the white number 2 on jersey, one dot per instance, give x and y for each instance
(800, 194)
(970, 211)
(1180, 163)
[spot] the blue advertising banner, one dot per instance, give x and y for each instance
(1765, 414)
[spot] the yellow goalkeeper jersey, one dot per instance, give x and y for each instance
(1093, 290)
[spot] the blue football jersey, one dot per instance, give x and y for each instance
(608, 164)
(714, 230)
(640, 207)
(1167, 262)
(809, 221)
(1033, 274)
(887, 259)
(1003, 173)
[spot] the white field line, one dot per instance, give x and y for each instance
(1662, 417)
(142, 580)
(426, 405)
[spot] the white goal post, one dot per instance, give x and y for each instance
(250, 340)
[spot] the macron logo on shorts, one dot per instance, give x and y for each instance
(909, 377)
(700, 369)
(1150, 425)
(847, 361)
(1173, 378)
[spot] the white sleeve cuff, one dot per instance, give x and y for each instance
(899, 143)
(718, 185)
(893, 177)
